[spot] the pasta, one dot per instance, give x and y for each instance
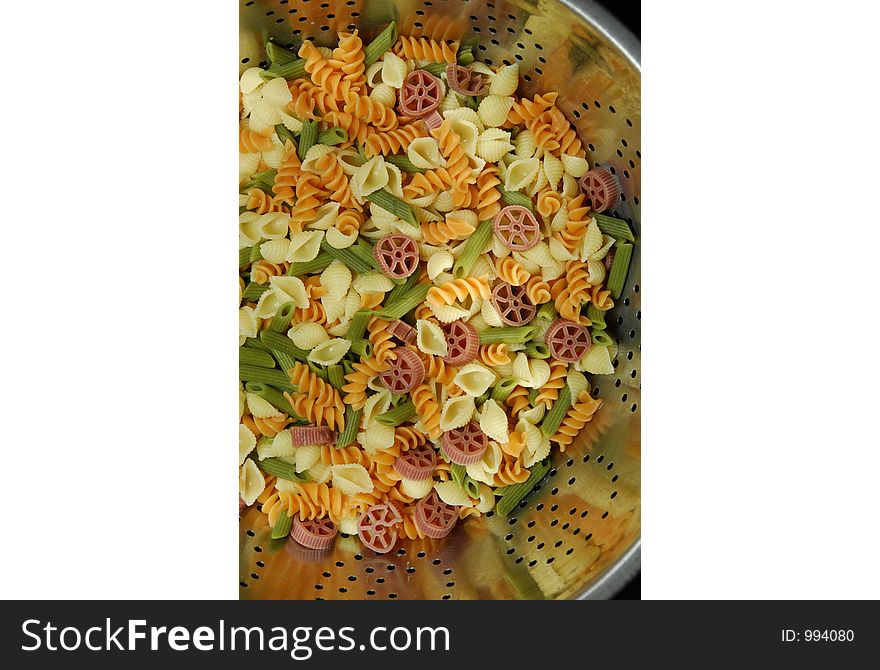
(328, 168)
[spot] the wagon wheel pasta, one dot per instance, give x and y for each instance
(329, 173)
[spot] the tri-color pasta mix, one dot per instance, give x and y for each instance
(424, 270)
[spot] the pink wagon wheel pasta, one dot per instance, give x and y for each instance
(313, 533)
(568, 341)
(420, 94)
(402, 331)
(397, 255)
(513, 304)
(404, 373)
(465, 445)
(462, 341)
(601, 187)
(434, 517)
(517, 228)
(466, 81)
(303, 435)
(376, 528)
(416, 463)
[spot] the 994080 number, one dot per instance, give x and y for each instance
(828, 635)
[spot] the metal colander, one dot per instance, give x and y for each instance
(578, 535)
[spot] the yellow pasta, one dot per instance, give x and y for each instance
(495, 354)
(511, 271)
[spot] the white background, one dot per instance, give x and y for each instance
(760, 449)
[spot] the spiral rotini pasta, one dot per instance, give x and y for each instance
(314, 398)
(578, 415)
(358, 380)
(423, 49)
(441, 232)
(458, 290)
(488, 195)
(263, 269)
(393, 140)
(427, 409)
(511, 271)
(349, 58)
(495, 354)
(250, 142)
(380, 338)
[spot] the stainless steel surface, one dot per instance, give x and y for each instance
(578, 537)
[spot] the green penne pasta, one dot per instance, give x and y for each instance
(336, 376)
(318, 264)
(474, 246)
(511, 496)
(251, 356)
(516, 198)
(533, 393)
(395, 205)
(361, 348)
(402, 289)
(435, 69)
(502, 389)
(616, 228)
(307, 138)
(517, 335)
(601, 338)
(255, 343)
(333, 136)
(382, 43)
(280, 323)
(295, 69)
(352, 426)
(596, 316)
(358, 325)
(352, 259)
(285, 134)
(244, 256)
(404, 163)
(465, 56)
(273, 396)
(460, 477)
(397, 308)
(537, 350)
(252, 291)
(282, 343)
(400, 414)
(282, 469)
(276, 378)
(265, 180)
(318, 370)
(557, 413)
(255, 253)
(546, 312)
(279, 55)
(619, 269)
(282, 527)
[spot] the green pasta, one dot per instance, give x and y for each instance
(472, 102)
(435, 69)
(318, 264)
(285, 134)
(255, 253)
(280, 323)
(244, 256)
(251, 356)
(283, 344)
(292, 70)
(465, 55)
(253, 291)
(393, 204)
(404, 163)
(597, 316)
(254, 343)
(401, 290)
(352, 259)
(557, 413)
(537, 350)
(516, 198)
(616, 228)
(362, 348)
(502, 389)
(394, 417)
(253, 373)
(273, 396)
(474, 246)
(281, 469)
(282, 527)
(546, 312)
(333, 136)
(358, 325)
(279, 55)
(380, 44)
(352, 425)
(307, 138)
(404, 303)
(533, 394)
(336, 376)
(619, 269)
(364, 250)
(317, 369)
(513, 495)
(601, 338)
(265, 180)
(517, 335)
(460, 477)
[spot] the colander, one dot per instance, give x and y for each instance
(578, 535)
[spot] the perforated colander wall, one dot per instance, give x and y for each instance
(578, 533)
